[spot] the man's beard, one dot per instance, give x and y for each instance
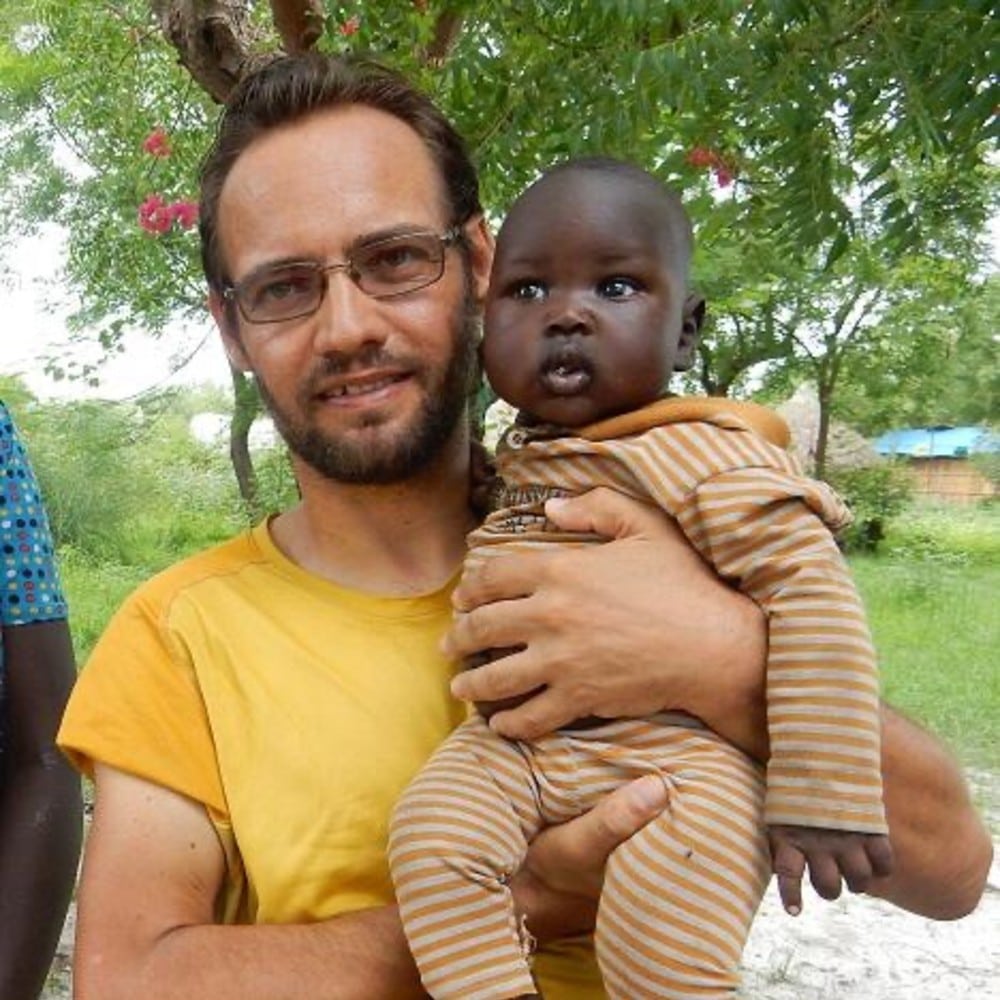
(411, 449)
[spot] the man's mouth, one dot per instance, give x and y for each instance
(360, 385)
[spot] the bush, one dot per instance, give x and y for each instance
(875, 494)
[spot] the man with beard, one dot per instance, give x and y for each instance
(251, 714)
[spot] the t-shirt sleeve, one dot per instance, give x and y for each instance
(137, 706)
(32, 591)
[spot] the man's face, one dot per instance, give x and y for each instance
(363, 390)
(585, 316)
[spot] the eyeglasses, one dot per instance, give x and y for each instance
(383, 268)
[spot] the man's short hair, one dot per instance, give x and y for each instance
(290, 88)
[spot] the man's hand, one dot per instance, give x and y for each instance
(831, 855)
(628, 628)
(560, 882)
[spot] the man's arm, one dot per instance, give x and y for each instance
(146, 925)
(941, 847)
(40, 807)
(640, 624)
(154, 866)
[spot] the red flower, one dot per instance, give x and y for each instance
(351, 26)
(700, 156)
(156, 143)
(155, 215)
(185, 213)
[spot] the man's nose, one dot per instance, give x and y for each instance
(347, 318)
(568, 312)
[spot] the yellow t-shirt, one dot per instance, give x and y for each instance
(296, 711)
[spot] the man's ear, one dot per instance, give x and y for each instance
(224, 314)
(481, 246)
(693, 319)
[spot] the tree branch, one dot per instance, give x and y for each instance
(447, 28)
(298, 22)
(212, 38)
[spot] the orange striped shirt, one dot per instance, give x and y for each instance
(720, 469)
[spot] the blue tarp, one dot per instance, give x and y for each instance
(937, 442)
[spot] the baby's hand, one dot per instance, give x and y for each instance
(831, 855)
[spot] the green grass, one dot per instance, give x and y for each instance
(932, 601)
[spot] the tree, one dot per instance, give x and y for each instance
(792, 110)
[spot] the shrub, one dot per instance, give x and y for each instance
(875, 494)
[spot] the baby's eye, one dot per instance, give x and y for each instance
(528, 291)
(618, 288)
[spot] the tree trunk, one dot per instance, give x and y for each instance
(246, 407)
(213, 39)
(825, 394)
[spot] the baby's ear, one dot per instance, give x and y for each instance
(693, 319)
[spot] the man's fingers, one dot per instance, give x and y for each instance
(789, 866)
(605, 512)
(504, 678)
(496, 626)
(485, 581)
(546, 712)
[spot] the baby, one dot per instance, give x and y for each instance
(587, 316)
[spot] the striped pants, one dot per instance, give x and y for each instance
(678, 897)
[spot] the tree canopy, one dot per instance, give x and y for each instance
(796, 131)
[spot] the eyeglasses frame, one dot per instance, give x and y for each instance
(450, 237)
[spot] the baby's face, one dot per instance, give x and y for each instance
(585, 312)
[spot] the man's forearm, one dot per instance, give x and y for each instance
(359, 955)
(942, 849)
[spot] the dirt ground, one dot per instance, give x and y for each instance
(853, 949)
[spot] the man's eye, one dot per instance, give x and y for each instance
(528, 291)
(282, 286)
(618, 288)
(396, 259)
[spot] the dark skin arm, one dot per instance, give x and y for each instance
(40, 807)
(641, 624)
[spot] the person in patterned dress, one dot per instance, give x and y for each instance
(40, 801)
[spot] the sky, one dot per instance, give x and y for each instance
(33, 311)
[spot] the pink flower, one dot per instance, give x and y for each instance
(155, 215)
(184, 213)
(351, 26)
(723, 175)
(156, 143)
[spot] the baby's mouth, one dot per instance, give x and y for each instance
(566, 372)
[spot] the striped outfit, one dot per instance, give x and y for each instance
(679, 896)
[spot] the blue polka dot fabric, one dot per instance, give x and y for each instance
(31, 589)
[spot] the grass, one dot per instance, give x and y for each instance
(932, 603)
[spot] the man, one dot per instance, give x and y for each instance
(251, 714)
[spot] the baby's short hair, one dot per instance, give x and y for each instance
(675, 217)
